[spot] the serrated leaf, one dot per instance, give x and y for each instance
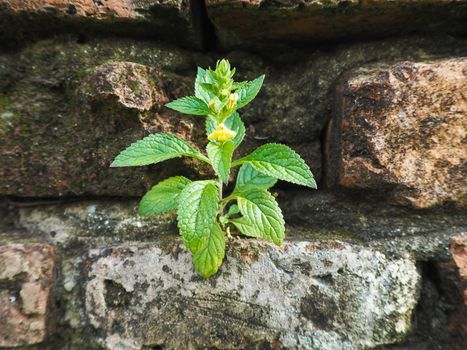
(249, 91)
(220, 154)
(163, 197)
(239, 84)
(281, 162)
(201, 91)
(190, 105)
(154, 149)
(249, 177)
(211, 253)
(262, 216)
(246, 227)
(233, 122)
(197, 212)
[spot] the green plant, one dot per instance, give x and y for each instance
(205, 217)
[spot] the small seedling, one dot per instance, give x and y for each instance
(205, 217)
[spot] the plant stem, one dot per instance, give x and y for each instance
(220, 188)
(221, 203)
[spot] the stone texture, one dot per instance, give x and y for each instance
(127, 84)
(453, 274)
(395, 230)
(402, 128)
(296, 100)
(169, 20)
(66, 109)
(7, 214)
(459, 256)
(70, 109)
(458, 318)
(27, 279)
(266, 23)
(301, 296)
(367, 226)
(355, 273)
(124, 8)
(101, 222)
(62, 120)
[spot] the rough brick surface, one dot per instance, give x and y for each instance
(67, 108)
(138, 273)
(300, 296)
(76, 107)
(27, 279)
(260, 23)
(169, 20)
(125, 8)
(402, 127)
(453, 274)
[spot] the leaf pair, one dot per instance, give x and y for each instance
(197, 216)
(261, 215)
(204, 95)
(196, 204)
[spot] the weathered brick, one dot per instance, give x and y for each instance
(266, 23)
(300, 296)
(27, 279)
(453, 277)
(402, 128)
(166, 20)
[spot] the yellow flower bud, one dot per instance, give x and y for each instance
(212, 106)
(222, 133)
(233, 98)
(224, 92)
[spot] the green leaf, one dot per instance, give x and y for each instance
(190, 105)
(163, 197)
(201, 92)
(249, 177)
(249, 91)
(154, 149)
(280, 162)
(233, 210)
(262, 216)
(197, 212)
(211, 253)
(239, 84)
(220, 154)
(246, 227)
(233, 122)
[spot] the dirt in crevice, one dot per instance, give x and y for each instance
(203, 25)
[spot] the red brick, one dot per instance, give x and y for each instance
(27, 278)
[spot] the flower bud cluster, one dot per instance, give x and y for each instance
(224, 102)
